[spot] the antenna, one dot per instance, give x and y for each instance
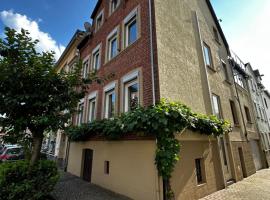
(87, 26)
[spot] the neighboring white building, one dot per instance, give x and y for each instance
(260, 106)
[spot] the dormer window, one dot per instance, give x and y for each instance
(114, 5)
(99, 20)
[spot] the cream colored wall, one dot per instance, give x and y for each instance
(132, 169)
(184, 182)
(68, 57)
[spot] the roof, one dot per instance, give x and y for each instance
(73, 39)
(96, 9)
(218, 25)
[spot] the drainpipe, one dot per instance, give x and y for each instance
(153, 86)
(209, 108)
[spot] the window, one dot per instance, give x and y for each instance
(207, 56)
(91, 109)
(131, 28)
(112, 44)
(225, 71)
(247, 114)
(260, 112)
(216, 34)
(265, 103)
(239, 79)
(114, 5)
(199, 165)
(99, 20)
(252, 85)
(107, 167)
(96, 58)
(80, 114)
(72, 67)
(110, 104)
(216, 106)
(131, 95)
(256, 108)
(234, 113)
(85, 69)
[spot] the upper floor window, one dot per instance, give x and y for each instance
(92, 107)
(99, 20)
(234, 113)
(131, 28)
(239, 79)
(109, 104)
(207, 56)
(225, 71)
(265, 103)
(96, 58)
(110, 101)
(81, 113)
(85, 68)
(114, 5)
(247, 114)
(216, 34)
(216, 106)
(112, 41)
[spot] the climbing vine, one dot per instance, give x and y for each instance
(163, 121)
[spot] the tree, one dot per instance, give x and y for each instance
(34, 98)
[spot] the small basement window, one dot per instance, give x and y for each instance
(107, 167)
(200, 174)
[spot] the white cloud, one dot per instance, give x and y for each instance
(252, 42)
(18, 21)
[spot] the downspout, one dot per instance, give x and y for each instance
(153, 86)
(209, 109)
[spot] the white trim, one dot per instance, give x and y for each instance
(113, 32)
(102, 20)
(110, 86)
(92, 95)
(126, 97)
(130, 76)
(131, 15)
(81, 101)
(86, 58)
(96, 49)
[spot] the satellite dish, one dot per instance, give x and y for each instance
(87, 26)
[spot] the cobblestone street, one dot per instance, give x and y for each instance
(255, 187)
(73, 188)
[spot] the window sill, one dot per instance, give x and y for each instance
(211, 68)
(201, 184)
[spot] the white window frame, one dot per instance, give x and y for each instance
(109, 89)
(101, 14)
(132, 16)
(128, 80)
(93, 60)
(218, 104)
(92, 98)
(113, 35)
(208, 54)
(112, 10)
(85, 73)
(80, 115)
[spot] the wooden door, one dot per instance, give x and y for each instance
(87, 164)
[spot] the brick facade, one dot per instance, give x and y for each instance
(136, 56)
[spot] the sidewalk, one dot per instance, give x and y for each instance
(255, 187)
(73, 188)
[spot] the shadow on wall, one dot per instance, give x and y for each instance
(184, 179)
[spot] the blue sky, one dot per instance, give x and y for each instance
(245, 24)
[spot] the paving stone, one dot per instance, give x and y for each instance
(73, 188)
(255, 187)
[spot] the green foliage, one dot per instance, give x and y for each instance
(17, 182)
(163, 121)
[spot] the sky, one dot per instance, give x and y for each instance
(53, 22)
